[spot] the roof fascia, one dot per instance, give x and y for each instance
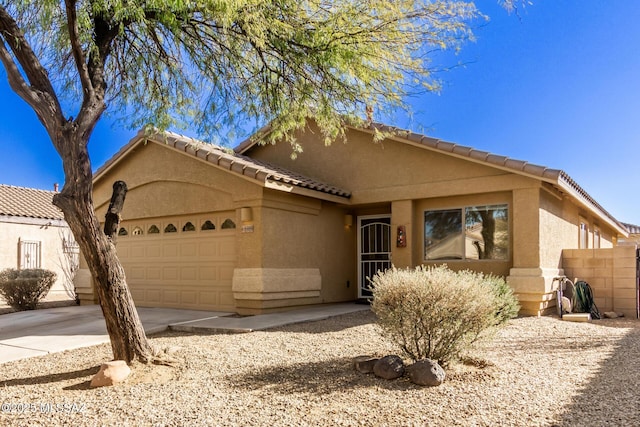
(250, 142)
(293, 189)
(25, 220)
(556, 177)
(259, 177)
(586, 202)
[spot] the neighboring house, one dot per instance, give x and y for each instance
(634, 235)
(255, 231)
(34, 234)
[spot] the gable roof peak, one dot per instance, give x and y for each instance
(268, 175)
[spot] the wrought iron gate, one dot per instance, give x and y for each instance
(374, 250)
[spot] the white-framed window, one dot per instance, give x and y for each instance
(596, 238)
(29, 254)
(583, 235)
(467, 233)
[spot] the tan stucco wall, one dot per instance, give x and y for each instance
(388, 171)
(156, 177)
(288, 235)
(414, 179)
(52, 254)
(294, 242)
(556, 224)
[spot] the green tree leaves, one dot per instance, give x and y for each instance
(214, 66)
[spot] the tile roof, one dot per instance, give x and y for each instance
(633, 229)
(263, 172)
(28, 202)
(557, 177)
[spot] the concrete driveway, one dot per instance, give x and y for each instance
(37, 332)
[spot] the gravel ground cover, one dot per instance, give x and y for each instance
(535, 372)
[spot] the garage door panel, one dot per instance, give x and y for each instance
(153, 273)
(169, 273)
(190, 297)
(208, 273)
(209, 298)
(170, 249)
(137, 251)
(226, 299)
(226, 249)
(189, 270)
(171, 297)
(154, 250)
(153, 296)
(188, 273)
(137, 273)
(123, 251)
(225, 273)
(136, 294)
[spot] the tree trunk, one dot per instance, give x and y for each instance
(112, 218)
(128, 340)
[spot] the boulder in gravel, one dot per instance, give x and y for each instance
(426, 372)
(111, 373)
(364, 364)
(389, 367)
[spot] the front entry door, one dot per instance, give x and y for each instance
(374, 250)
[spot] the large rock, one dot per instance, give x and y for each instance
(389, 367)
(364, 364)
(426, 372)
(111, 373)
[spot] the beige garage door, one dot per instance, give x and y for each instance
(180, 262)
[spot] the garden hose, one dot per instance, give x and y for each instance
(583, 300)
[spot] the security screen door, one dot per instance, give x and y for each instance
(374, 250)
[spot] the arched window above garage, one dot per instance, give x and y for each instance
(228, 223)
(208, 225)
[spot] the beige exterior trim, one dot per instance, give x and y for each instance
(534, 288)
(255, 289)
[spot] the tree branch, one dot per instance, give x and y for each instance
(76, 48)
(39, 93)
(93, 104)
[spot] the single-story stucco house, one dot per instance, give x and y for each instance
(253, 230)
(34, 234)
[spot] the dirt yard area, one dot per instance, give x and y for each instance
(535, 372)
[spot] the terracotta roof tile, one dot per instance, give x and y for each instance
(227, 159)
(556, 176)
(28, 202)
(633, 229)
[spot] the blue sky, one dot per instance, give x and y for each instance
(558, 85)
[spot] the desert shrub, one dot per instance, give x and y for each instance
(23, 289)
(436, 313)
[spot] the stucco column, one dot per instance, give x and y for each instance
(402, 215)
(532, 283)
(526, 228)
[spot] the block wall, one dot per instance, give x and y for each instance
(610, 272)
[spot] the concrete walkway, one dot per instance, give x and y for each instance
(34, 333)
